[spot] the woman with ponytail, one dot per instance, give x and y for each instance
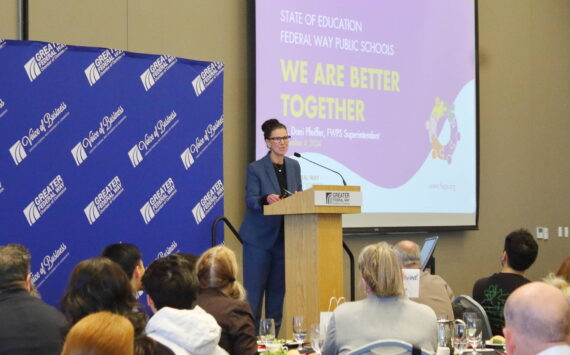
(223, 297)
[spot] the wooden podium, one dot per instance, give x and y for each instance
(313, 249)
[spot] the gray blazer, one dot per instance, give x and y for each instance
(356, 324)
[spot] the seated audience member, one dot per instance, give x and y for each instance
(564, 270)
(99, 284)
(491, 292)
(386, 313)
(537, 321)
(28, 325)
(129, 257)
(434, 291)
(223, 296)
(171, 289)
(100, 333)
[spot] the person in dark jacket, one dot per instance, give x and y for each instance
(28, 326)
(223, 296)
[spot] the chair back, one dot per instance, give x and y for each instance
(468, 304)
(392, 344)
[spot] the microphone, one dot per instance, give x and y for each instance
(322, 166)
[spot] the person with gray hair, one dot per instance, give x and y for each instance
(537, 319)
(29, 326)
(434, 291)
(386, 313)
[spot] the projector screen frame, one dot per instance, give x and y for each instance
(375, 229)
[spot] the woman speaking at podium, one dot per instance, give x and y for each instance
(269, 180)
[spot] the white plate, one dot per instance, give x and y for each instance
(490, 344)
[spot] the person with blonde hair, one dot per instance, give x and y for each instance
(386, 313)
(100, 333)
(223, 296)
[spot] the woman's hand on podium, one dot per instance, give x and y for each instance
(272, 198)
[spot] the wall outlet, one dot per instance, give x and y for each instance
(545, 233)
(566, 232)
(539, 233)
(560, 231)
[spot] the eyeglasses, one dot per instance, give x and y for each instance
(280, 139)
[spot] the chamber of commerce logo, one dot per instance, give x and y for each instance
(169, 250)
(95, 137)
(151, 140)
(3, 109)
(43, 59)
(187, 158)
(446, 112)
(49, 264)
(156, 70)
(202, 142)
(102, 64)
(36, 135)
(337, 198)
(44, 200)
(158, 200)
(208, 202)
(207, 77)
(103, 200)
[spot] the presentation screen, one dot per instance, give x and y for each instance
(385, 93)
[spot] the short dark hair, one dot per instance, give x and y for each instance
(170, 282)
(128, 256)
(190, 258)
(14, 264)
(521, 249)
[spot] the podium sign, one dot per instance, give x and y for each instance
(313, 250)
(338, 198)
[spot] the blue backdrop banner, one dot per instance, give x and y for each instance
(100, 146)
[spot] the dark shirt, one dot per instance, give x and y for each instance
(28, 325)
(235, 319)
(281, 178)
(492, 292)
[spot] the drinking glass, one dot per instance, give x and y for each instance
(459, 336)
(267, 331)
(317, 338)
(473, 329)
(299, 330)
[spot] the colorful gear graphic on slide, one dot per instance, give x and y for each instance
(439, 111)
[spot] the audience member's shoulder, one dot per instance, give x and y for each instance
(481, 283)
(350, 308)
(421, 309)
(436, 279)
(243, 307)
(44, 312)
